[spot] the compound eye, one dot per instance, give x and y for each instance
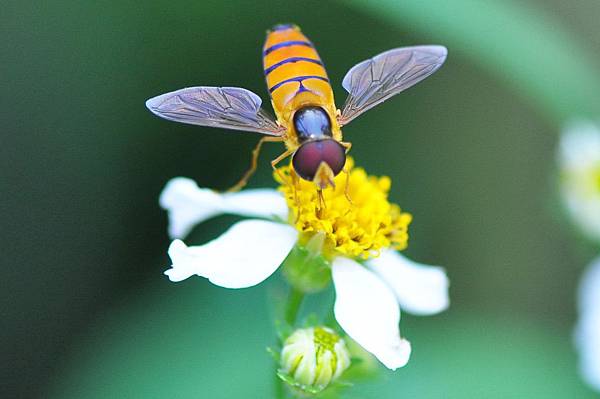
(309, 156)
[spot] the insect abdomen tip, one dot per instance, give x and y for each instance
(280, 27)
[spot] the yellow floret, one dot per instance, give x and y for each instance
(361, 227)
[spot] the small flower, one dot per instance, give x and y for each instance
(579, 162)
(371, 280)
(313, 357)
(587, 331)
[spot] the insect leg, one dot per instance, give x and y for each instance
(322, 205)
(280, 158)
(295, 182)
(255, 152)
(347, 187)
(293, 179)
(347, 145)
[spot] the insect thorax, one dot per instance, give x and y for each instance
(312, 123)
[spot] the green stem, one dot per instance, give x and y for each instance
(293, 306)
(279, 388)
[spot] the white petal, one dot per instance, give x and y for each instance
(587, 332)
(258, 202)
(368, 312)
(579, 145)
(189, 205)
(420, 289)
(245, 255)
(183, 259)
(579, 162)
(583, 208)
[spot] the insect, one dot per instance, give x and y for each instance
(308, 121)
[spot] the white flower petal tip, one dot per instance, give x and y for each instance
(368, 312)
(587, 331)
(245, 255)
(183, 259)
(579, 163)
(398, 357)
(188, 204)
(420, 289)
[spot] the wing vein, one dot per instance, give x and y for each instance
(375, 80)
(226, 107)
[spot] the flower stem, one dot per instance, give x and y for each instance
(293, 306)
(279, 388)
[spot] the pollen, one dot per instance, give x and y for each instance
(355, 215)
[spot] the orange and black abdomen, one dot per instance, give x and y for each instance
(292, 66)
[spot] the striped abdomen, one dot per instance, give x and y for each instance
(292, 67)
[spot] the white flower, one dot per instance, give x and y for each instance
(587, 332)
(368, 297)
(579, 162)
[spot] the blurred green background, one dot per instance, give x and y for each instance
(86, 311)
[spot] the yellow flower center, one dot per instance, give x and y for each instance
(585, 181)
(596, 177)
(356, 217)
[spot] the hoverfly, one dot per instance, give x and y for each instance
(308, 122)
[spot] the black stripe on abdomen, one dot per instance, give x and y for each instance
(291, 59)
(297, 79)
(287, 44)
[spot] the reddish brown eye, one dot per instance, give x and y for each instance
(309, 156)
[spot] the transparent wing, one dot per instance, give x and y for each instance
(375, 80)
(226, 107)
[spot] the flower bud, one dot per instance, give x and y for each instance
(305, 268)
(313, 357)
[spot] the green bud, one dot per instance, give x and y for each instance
(312, 358)
(305, 268)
